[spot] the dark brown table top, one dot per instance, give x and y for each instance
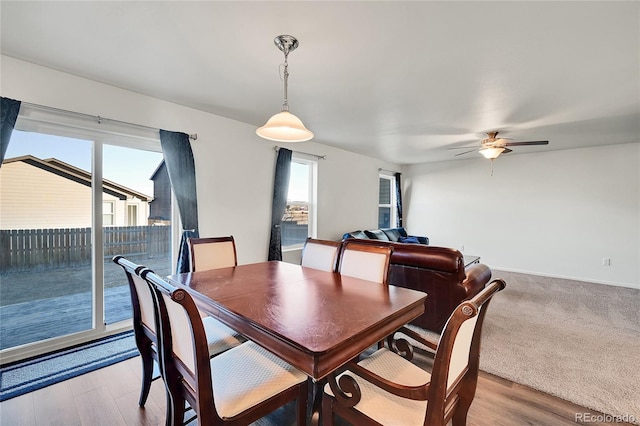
(314, 320)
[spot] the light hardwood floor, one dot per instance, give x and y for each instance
(109, 397)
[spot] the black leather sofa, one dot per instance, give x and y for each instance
(394, 235)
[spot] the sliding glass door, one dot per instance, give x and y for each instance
(68, 204)
(131, 229)
(46, 286)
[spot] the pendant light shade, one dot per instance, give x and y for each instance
(284, 126)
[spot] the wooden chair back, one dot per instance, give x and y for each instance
(212, 253)
(320, 254)
(449, 389)
(144, 325)
(365, 261)
(455, 367)
(188, 373)
(184, 355)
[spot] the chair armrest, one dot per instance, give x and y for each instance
(415, 336)
(347, 391)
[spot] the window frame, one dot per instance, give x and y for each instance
(111, 214)
(312, 189)
(130, 208)
(393, 202)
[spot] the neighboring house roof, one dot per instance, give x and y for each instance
(66, 170)
(157, 170)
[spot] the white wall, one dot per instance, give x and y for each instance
(555, 213)
(234, 167)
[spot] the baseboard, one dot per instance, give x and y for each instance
(542, 274)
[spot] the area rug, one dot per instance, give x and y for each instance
(19, 378)
(575, 340)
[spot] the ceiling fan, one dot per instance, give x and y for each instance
(493, 146)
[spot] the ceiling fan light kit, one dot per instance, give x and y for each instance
(491, 153)
(284, 126)
(492, 146)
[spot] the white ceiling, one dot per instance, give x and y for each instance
(401, 81)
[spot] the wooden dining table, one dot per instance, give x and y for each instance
(314, 320)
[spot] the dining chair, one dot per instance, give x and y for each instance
(238, 386)
(219, 336)
(212, 253)
(365, 261)
(320, 254)
(386, 388)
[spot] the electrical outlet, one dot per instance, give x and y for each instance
(606, 261)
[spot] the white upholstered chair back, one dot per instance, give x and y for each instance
(212, 253)
(365, 261)
(147, 316)
(320, 254)
(181, 334)
(461, 349)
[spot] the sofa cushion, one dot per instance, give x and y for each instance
(412, 240)
(423, 240)
(377, 234)
(394, 234)
(355, 234)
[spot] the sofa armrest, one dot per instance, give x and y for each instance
(478, 276)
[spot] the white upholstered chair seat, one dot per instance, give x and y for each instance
(220, 338)
(246, 375)
(382, 406)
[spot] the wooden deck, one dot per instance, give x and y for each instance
(27, 322)
(44, 303)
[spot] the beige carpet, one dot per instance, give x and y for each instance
(575, 340)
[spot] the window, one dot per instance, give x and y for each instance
(299, 220)
(387, 202)
(107, 213)
(132, 215)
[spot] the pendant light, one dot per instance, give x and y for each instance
(284, 126)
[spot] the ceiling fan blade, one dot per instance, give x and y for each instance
(466, 152)
(506, 151)
(526, 143)
(463, 147)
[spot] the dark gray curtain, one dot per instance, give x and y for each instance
(9, 109)
(398, 200)
(280, 190)
(178, 157)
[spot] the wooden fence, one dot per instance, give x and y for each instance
(27, 249)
